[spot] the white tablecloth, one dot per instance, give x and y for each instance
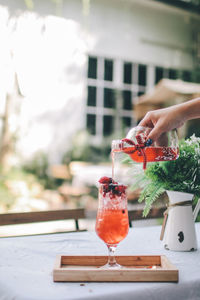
(26, 265)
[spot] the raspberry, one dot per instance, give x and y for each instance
(105, 179)
(106, 188)
(112, 187)
(121, 188)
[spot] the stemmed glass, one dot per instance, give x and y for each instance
(112, 222)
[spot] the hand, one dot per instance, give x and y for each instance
(163, 120)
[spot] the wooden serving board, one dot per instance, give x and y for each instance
(135, 268)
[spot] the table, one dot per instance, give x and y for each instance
(26, 265)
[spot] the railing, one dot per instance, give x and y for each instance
(43, 216)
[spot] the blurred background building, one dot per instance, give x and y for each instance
(75, 74)
(68, 67)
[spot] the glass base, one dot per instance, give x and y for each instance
(108, 266)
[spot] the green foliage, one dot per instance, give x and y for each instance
(83, 150)
(150, 193)
(38, 166)
(181, 175)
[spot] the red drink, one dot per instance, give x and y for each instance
(153, 154)
(112, 221)
(112, 225)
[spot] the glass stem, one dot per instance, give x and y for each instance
(111, 255)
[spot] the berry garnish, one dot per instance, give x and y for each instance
(105, 180)
(111, 187)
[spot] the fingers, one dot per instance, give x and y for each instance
(161, 121)
(155, 134)
(158, 121)
(146, 121)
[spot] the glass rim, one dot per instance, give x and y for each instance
(113, 184)
(140, 127)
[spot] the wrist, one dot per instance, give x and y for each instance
(185, 112)
(191, 109)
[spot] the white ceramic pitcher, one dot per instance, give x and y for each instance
(180, 232)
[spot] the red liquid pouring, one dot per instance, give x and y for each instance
(153, 154)
(148, 154)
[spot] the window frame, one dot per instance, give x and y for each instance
(119, 86)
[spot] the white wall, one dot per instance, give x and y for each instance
(142, 31)
(55, 89)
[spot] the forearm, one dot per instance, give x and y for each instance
(190, 109)
(166, 119)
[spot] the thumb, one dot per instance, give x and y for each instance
(155, 133)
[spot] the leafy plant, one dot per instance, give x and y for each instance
(181, 175)
(38, 166)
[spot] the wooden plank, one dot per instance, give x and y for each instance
(84, 260)
(127, 260)
(58, 262)
(135, 214)
(135, 268)
(92, 275)
(41, 216)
